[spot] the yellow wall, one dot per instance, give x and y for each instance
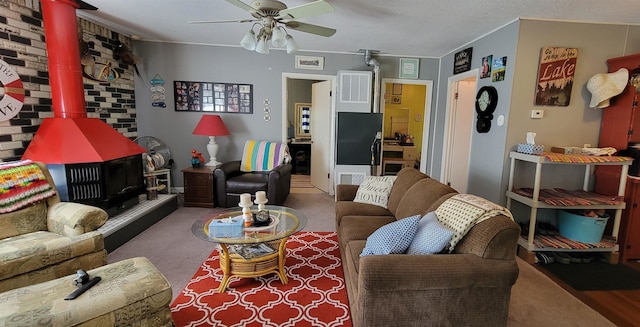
(412, 98)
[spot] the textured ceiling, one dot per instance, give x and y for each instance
(420, 28)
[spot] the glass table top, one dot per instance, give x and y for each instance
(284, 222)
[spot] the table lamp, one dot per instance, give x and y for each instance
(211, 126)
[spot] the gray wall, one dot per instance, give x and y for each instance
(185, 62)
(573, 125)
(487, 152)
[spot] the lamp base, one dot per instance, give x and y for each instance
(212, 148)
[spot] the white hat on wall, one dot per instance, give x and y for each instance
(605, 86)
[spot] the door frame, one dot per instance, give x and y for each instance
(286, 77)
(449, 120)
(426, 114)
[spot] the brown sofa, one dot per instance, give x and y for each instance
(469, 287)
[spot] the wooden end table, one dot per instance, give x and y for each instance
(285, 222)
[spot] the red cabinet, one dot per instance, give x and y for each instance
(629, 236)
(621, 126)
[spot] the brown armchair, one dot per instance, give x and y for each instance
(231, 179)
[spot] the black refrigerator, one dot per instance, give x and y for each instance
(356, 132)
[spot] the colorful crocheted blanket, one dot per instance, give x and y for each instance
(21, 184)
(263, 155)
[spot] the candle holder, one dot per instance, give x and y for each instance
(261, 204)
(246, 213)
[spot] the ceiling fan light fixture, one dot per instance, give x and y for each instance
(249, 40)
(278, 37)
(292, 46)
(262, 46)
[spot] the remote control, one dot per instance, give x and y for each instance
(83, 288)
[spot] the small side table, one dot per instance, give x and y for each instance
(198, 187)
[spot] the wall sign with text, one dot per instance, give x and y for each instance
(555, 76)
(462, 61)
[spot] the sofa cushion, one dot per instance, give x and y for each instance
(247, 183)
(404, 180)
(392, 238)
(350, 208)
(375, 190)
(431, 236)
(420, 196)
(361, 227)
(27, 252)
(26, 220)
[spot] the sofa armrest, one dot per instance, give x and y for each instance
(403, 272)
(73, 219)
(346, 192)
(279, 183)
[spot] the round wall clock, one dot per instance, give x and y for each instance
(486, 102)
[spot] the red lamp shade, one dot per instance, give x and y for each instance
(211, 125)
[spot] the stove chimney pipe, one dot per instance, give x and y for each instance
(65, 70)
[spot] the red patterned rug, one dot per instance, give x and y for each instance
(314, 296)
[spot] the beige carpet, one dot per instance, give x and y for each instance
(537, 301)
(169, 244)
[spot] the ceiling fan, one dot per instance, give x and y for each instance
(274, 17)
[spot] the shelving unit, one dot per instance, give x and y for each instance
(527, 244)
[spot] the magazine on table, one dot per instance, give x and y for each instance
(250, 251)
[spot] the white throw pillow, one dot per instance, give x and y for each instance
(394, 237)
(431, 236)
(375, 190)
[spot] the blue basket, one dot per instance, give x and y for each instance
(580, 228)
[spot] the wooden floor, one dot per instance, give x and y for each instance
(620, 307)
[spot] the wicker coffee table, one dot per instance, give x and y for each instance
(284, 222)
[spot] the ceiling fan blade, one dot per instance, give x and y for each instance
(243, 6)
(222, 21)
(85, 6)
(315, 8)
(310, 28)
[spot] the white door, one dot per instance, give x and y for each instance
(458, 137)
(320, 125)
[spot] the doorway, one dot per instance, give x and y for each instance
(300, 88)
(393, 95)
(459, 129)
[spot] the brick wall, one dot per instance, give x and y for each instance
(22, 46)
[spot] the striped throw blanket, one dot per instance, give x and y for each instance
(263, 155)
(462, 211)
(21, 184)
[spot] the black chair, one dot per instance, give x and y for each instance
(231, 180)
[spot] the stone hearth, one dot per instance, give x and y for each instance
(121, 228)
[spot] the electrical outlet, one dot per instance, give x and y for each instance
(537, 113)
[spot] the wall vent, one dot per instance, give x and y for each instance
(351, 178)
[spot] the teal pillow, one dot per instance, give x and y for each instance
(431, 237)
(394, 237)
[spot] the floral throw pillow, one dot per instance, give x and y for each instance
(375, 190)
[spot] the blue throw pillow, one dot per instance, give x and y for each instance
(431, 236)
(394, 237)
